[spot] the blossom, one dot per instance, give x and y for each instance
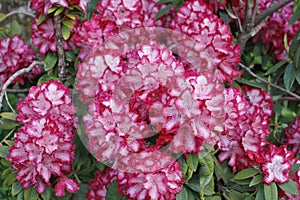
(212, 37)
(15, 55)
(145, 92)
(43, 36)
(162, 184)
(43, 148)
(276, 164)
(293, 136)
(99, 185)
(51, 97)
(43, 6)
(65, 183)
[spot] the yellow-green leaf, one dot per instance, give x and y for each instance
(71, 16)
(2, 17)
(31, 194)
(65, 32)
(16, 188)
(9, 115)
(51, 10)
(58, 11)
(40, 19)
(68, 23)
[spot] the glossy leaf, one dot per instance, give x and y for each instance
(4, 151)
(113, 193)
(256, 180)
(270, 191)
(163, 11)
(276, 67)
(50, 61)
(289, 187)
(289, 76)
(65, 32)
(246, 173)
(31, 194)
(16, 188)
(183, 195)
(192, 161)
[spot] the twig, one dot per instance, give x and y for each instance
(20, 12)
(60, 47)
(287, 99)
(15, 75)
(7, 101)
(16, 91)
(273, 8)
(7, 136)
(269, 83)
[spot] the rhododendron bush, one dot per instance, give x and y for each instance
(156, 100)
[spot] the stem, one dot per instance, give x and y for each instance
(269, 83)
(16, 91)
(15, 75)
(60, 47)
(20, 12)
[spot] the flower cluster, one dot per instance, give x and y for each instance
(44, 147)
(42, 6)
(212, 37)
(293, 136)
(15, 55)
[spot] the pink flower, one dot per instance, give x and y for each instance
(157, 185)
(277, 163)
(293, 136)
(99, 185)
(43, 36)
(51, 97)
(15, 55)
(212, 37)
(43, 148)
(65, 183)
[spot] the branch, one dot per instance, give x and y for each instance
(20, 12)
(287, 99)
(60, 47)
(271, 84)
(273, 8)
(14, 76)
(16, 91)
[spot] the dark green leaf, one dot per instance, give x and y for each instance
(50, 61)
(2, 17)
(65, 32)
(207, 162)
(246, 173)
(224, 16)
(113, 193)
(70, 56)
(164, 1)
(289, 187)
(276, 67)
(16, 188)
(260, 193)
(289, 76)
(295, 168)
(297, 58)
(163, 11)
(47, 194)
(41, 19)
(7, 124)
(183, 195)
(250, 83)
(15, 28)
(295, 17)
(20, 196)
(46, 78)
(183, 165)
(294, 45)
(4, 151)
(194, 185)
(192, 161)
(31, 194)
(256, 180)
(10, 179)
(270, 191)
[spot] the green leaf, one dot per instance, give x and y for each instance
(71, 16)
(164, 1)
(46, 78)
(295, 17)
(47, 194)
(65, 32)
(183, 195)
(4, 151)
(9, 115)
(68, 23)
(192, 161)
(30, 194)
(50, 61)
(276, 67)
(289, 187)
(41, 19)
(295, 168)
(2, 17)
(207, 162)
(7, 124)
(289, 76)
(113, 193)
(194, 185)
(270, 191)
(51, 10)
(256, 180)
(294, 45)
(58, 11)
(260, 193)
(16, 188)
(10, 179)
(20, 196)
(163, 11)
(183, 165)
(246, 173)
(15, 28)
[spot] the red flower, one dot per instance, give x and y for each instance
(293, 136)
(99, 185)
(65, 183)
(15, 55)
(43, 148)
